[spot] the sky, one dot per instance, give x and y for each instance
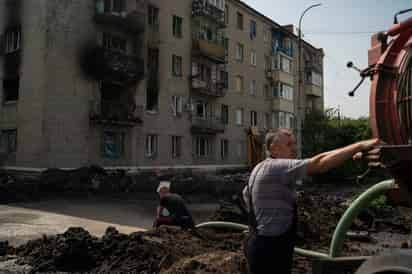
(343, 29)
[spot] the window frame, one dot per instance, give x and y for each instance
(177, 26)
(224, 149)
(240, 21)
(177, 66)
(253, 118)
(253, 58)
(176, 147)
(151, 145)
(12, 40)
(118, 142)
(240, 52)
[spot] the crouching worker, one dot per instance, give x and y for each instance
(172, 209)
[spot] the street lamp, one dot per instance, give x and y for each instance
(299, 119)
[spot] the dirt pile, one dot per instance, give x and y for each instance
(154, 251)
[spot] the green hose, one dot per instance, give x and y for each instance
(345, 222)
(241, 227)
(353, 211)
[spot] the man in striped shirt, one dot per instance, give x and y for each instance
(271, 199)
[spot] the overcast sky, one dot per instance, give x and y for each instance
(343, 29)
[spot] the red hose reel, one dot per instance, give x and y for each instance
(390, 68)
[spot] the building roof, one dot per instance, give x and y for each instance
(284, 29)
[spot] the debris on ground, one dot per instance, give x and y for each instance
(169, 250)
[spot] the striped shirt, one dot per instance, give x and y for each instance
(272, 183)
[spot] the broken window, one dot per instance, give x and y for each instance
(177, 26)
(177, 66)
(153, 17)
(203, 147)
(224, 149)
(151, 146)
(253, 118)
(152, 92)
(176, 146)
(12, 40)
(201, 110)
(177, 105)
(240, 21)
(114, 42)
(9, 140)
(253, 29)
(225, 114)
(113, 144)
(11, 89)
(114, 6)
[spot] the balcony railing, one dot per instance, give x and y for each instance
(112, 66)
(208, 88)
(113, 112)
(209, 125)
(312, 89)
(213, 49)
(313, 66)
(204, 8)
(277, 75)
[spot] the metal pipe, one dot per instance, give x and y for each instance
(353, 211)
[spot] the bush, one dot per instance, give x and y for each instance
(326, 131)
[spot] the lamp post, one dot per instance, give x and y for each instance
(299, 112)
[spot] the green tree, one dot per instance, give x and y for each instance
(323, 131)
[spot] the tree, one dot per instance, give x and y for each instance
(323, 131)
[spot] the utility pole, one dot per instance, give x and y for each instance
(300, 81)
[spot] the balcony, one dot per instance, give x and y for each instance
(208, 88)
(284, 105)
(313, 90)
(132, 22)
(277, 75)
(110, 112)
(212, 49)
(202, 8)
(210, 125)
(312, 66)
(112, 66)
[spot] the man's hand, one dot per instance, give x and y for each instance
(369, 152)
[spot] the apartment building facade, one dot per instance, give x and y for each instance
(145, 83)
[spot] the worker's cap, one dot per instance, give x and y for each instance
(163, 184)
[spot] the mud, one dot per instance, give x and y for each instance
(171, 250)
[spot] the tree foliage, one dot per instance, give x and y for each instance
(324, 131)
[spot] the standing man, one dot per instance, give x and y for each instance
(272, 203)
(172, 209)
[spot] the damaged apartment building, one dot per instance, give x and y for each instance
(146, 83)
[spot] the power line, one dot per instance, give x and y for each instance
(340, 32)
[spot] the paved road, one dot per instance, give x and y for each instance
(25, 221)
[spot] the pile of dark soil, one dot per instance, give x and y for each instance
(156, 251)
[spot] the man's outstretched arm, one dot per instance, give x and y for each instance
(334, 158)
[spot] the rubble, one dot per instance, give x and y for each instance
(170, 250)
